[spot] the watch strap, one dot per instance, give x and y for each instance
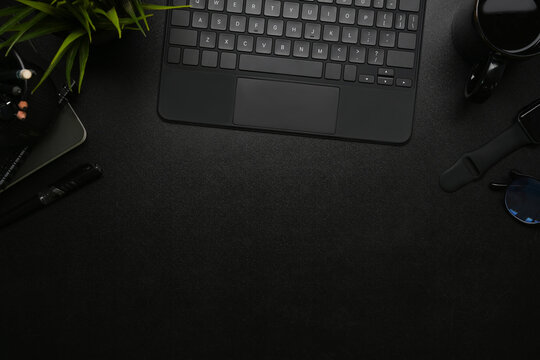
(472, 165)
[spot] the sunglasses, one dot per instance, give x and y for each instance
(522, 197)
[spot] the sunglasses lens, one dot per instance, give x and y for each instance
(523, 200)
(511, 25)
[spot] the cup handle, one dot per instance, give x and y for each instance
(484, 78)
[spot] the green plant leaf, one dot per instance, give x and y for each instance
(128, 8)
(83, 59)
(15, 19)
(26, 26)
(60, 54)
(127, 21)
(41, 6)
(80, 18)
(163, 7)
(42, 29)
(9, 11)
(138, 6)
(87, 17)
(104, 23)
(70, 60)
(112, 15)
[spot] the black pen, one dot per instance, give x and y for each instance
(74, 180)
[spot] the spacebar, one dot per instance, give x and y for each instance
(281, 66)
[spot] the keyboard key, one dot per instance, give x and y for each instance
(328, 13)
(226, 42)
(357, 55)
(331, 33)
(386, 72)
(349, 73)
(272, 8)
(235, 6)
(387, 39)
(349, 35)
(197, 4)
(216, 5)
(404, 83)
(301, 49)
(218, 22)
(228, 61)
(256, 25)
(385, 19)
(253, 7)
(183, 37)
(173, 57)
(366, 17)
(368, 37)
(180, 2)
(407, 41)
(263, 45)
(284, 66)
(320, 51)
(209, 58)
(237, 24)
(413, 22)
(362, 3)
(385, 81)
(391, 4)
(310, 11)
(244, 43)
(333, 71)
(200, 20)
(347, 16)
(400, 59)
(378, 4)
(409, 5)
(366, 79)
(293, 29)
(325, 1)
(376, 57)
(312, 31)
(191, 57)
(275, 27)
(283, 47)
(344, 2)
(291, 10)
(400, 21)
(180, 18)
(208, 40)
(338, 53)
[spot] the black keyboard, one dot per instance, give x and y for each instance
(364, 41)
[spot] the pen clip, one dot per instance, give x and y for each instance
(79, 177)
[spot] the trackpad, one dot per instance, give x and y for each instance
(286, 106)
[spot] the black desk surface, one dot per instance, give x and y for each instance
(205, 243)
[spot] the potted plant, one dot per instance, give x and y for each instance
(77, 21)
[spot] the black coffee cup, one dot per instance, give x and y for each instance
(489, 34)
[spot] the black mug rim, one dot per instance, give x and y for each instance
(497, 49)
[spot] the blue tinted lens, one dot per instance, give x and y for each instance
(523, 200)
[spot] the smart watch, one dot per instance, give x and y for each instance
(472, 165)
